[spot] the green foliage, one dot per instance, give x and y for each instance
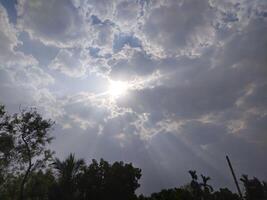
(10, 188)
(39, 185)
(6, 144)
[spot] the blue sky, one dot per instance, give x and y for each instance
(169, 85)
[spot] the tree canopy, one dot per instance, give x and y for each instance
(23, 145)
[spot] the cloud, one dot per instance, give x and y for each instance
(134, 63)
(101, 8)
(27, 86)
(9, 41)
(102, 37)
(70, 62)
(179, 26)
(22, 81)
(200, 133)
(127, 14)
(38, 19)
(255, 129)
(184, 101)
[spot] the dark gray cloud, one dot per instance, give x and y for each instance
(137, 64)
(176, 26)
(37, 18)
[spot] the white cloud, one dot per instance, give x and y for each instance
(9, 41)
(70, 62)
(102, 8)
(127, 15)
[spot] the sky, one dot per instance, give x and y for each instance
(169, 85)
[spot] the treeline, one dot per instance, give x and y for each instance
(201, 190)
(29, 170)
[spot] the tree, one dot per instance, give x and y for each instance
(200, 190)
(101, 180)
(254, 189)
(122, 181)
(225, 194)
(39, 185)
(67, 172)
(206, 188)
(27, 136)
(6, 145)
(195, 186)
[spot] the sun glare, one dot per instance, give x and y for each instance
(117, 88)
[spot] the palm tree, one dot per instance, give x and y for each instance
(68, 171)
(206, 187)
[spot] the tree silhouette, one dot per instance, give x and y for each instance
(67, 172)
(6, 145)
(39, 185)
(225, 194)
(101, 180)
(195, 186)
(26, 135)
(206, 188)
(200, 190)
(254, 189)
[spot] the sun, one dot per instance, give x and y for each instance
(117, 88)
